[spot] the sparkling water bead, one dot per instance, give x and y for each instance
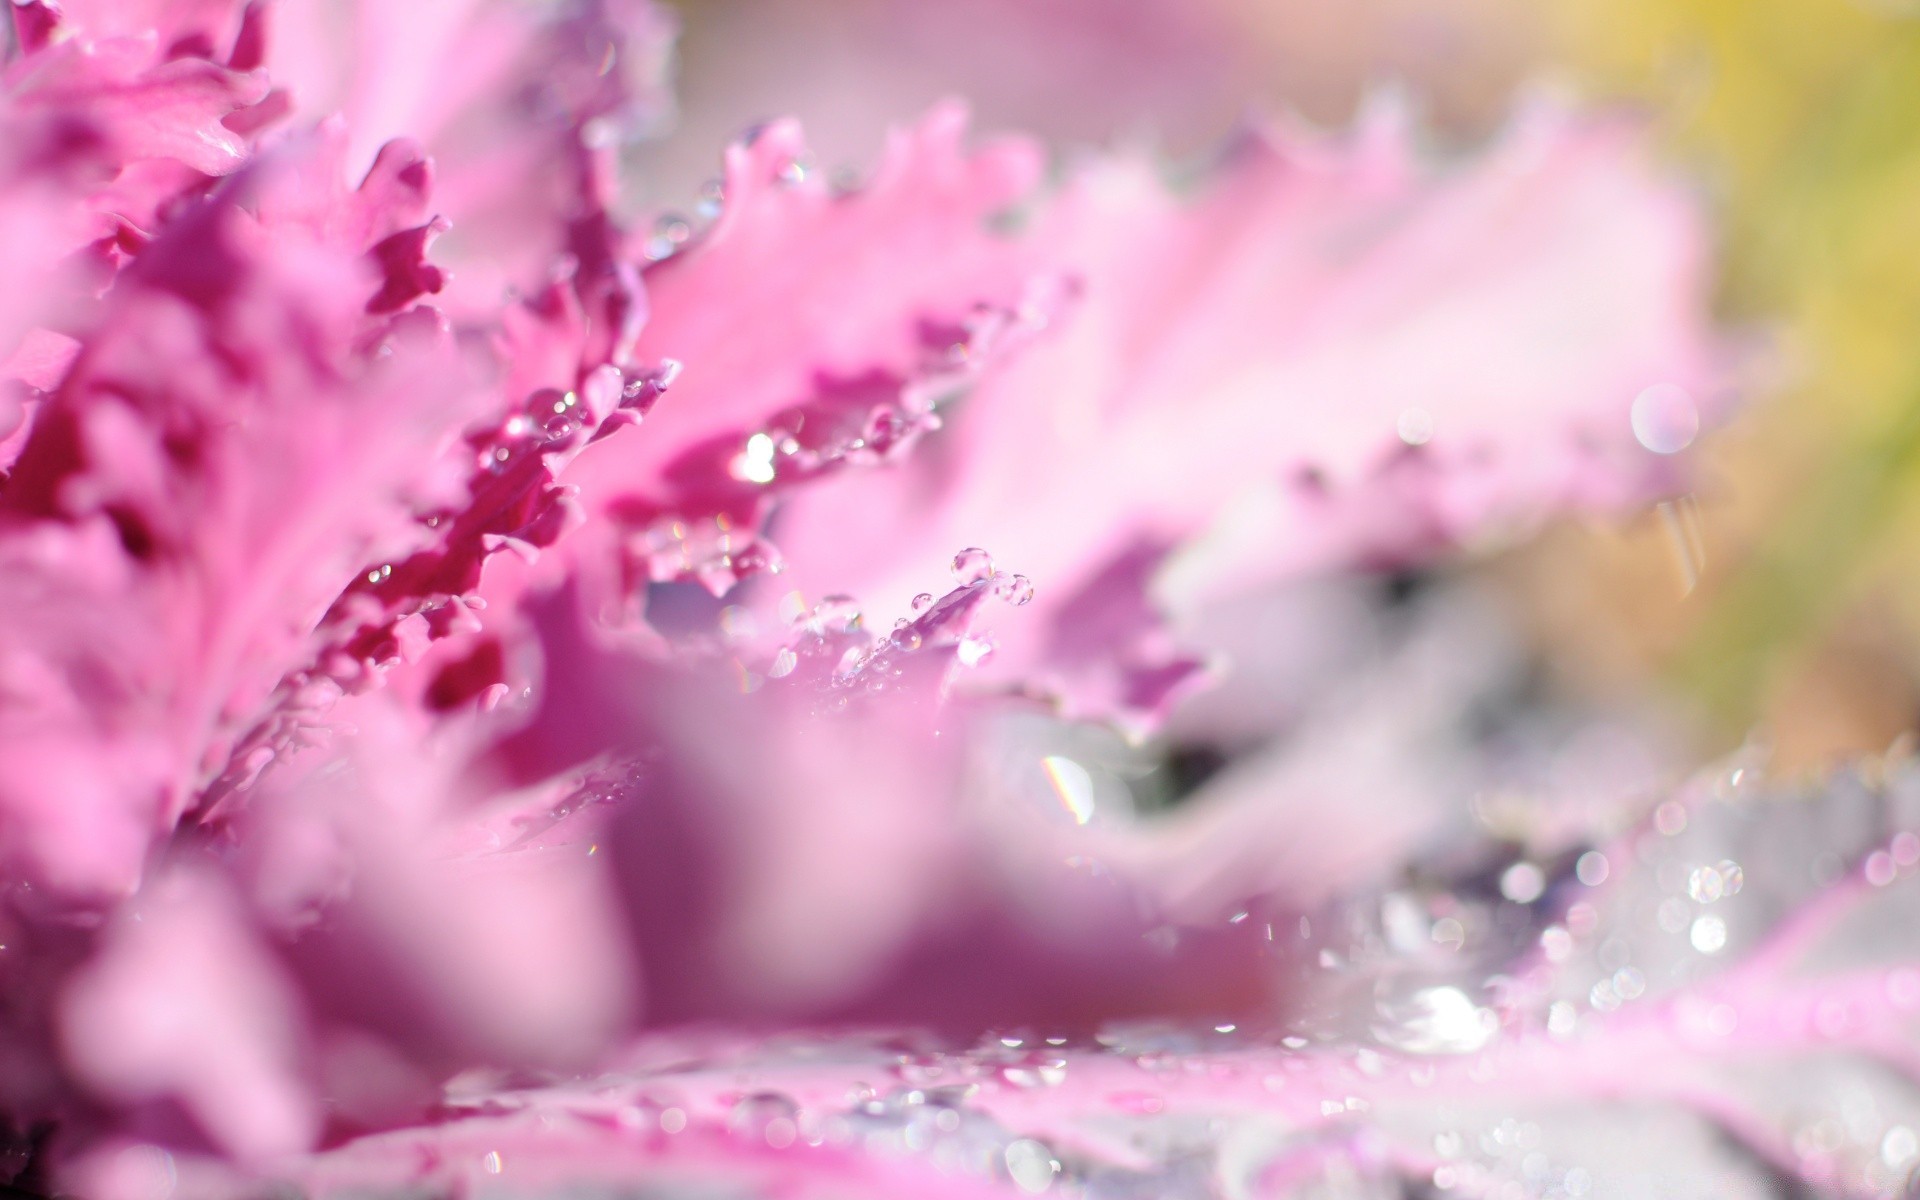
(972, 565)
(1014, 589)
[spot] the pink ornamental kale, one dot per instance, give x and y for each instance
(440, 752)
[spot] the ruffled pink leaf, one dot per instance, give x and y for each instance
(865, 310)
(144, 107)
(1332, 355)
(206, 516)
(523, 109)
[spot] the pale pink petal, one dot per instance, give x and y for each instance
(405, 919)
(826, 848)
(183, 1002)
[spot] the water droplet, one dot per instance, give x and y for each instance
(923, 602)
(1436, 1020)
(755, 464)
(886, 428)
(1629, 984)
(782, 665)
(972, 565)
(837, 614)
(1014, 589)
(670, 232)
(1705, 884)
(713, 197)
(1592, 868)
(1522, 883)
(1708, 935)
(1670, 818)
(1665, 419)
(771, 1117)
(1556, 943)
(1732, 878)
(491, 1164)
(1899, 1146)
(1562, 1019)
(758, 559)
(1030, 1165)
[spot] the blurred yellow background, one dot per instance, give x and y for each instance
(1802, 117)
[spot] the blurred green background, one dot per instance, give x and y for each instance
(1802, 118)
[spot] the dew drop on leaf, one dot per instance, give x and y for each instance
(972, 565)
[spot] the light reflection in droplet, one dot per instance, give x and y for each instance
(1556, 943)
(1670, 818)
(1562, 1019)
(1439, 1020)
(973, 650)
(1030, 1165)
(1708, 935)
(972, 565)
(755, 465)
(1705, 884)
(1732, 878)
(1899, 1146)
(1014, 589)
(1072, 784)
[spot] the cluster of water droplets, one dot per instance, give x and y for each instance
(674, 232)
(552, 420)
(804, 443)
(833, 650)
(713, 550)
